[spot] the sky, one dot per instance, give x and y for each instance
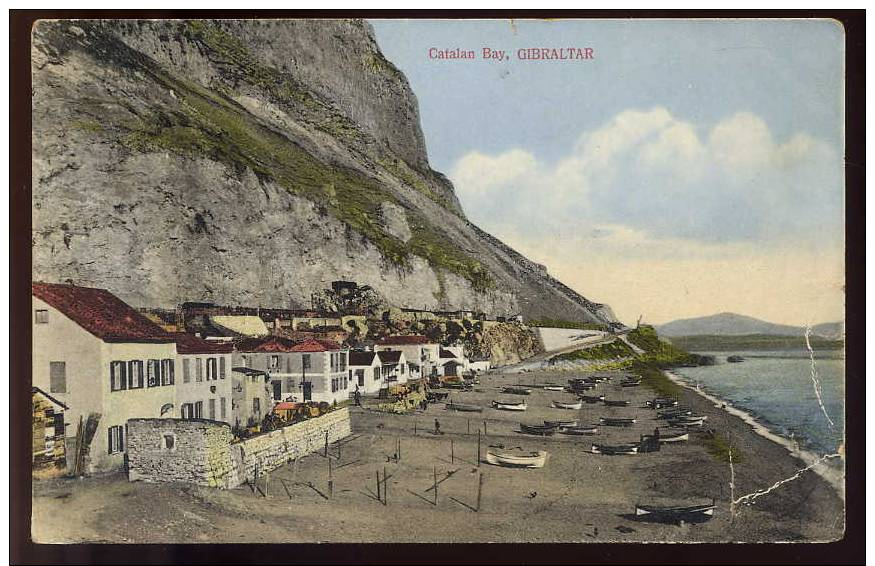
(687, 168)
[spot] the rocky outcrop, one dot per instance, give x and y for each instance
(252, 162)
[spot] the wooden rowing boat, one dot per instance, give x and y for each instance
(535, 459)
(570, 406)
(687, 422)
(616, 403)
(668, 438)
(615, 450)
(674, 413)
(592, 398)
(553, 388)
(661, 403)
(578, 430)
(501, 406)
(630, 383)
(617, 421)
(556, 424)
(516, 391)
(464, 408)
(663, 514)
(537, 429)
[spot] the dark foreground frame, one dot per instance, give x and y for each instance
(850, 550)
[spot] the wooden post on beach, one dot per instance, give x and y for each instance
(385, 487)
(414, 428)
(478, 447)
(452, 451)
(378, 486)
(330, 480)
(325, 453)
(295, 470)
(469, 426)
(267, 484)
(484, 428)
(479, 490)
(435, 486)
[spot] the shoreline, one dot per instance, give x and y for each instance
(833, 476)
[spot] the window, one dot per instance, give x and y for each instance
(342, 361)
(118, 376)
(187, 411)
(222, 408)
(305, 361)
(42, 316)
(199, 370)
(153, 373)
(212, 369)
(333, 385)
(135, 374)
(186, 370)
(290, 384)
(169, 442)
(376, 374)
(199, 410)
(256, 406)
(167, 372)
(222, 367)
(58, 377)
(116, 439)
(274, 362)
(212, 406)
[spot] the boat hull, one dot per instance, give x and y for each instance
(538, 430)
(531, 460)
(568, 406)
(691, 514)
(578, 430)
(617, 422)
(614, 450)
(509, 406)
(464, 408)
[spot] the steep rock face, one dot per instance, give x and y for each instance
(252, 162)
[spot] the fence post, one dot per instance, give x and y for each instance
(478, 447)
(435, 487)
(385, 487)
(330, 480)
(479, 490)
(379, 498)
(452, 451)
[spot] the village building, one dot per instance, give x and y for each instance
(479, 364)
(416, 348)
(250, 396)
(240, 325)
(365, 372)
(105, 362)
(452, 361)
(393, 367)
(312, 370)
(49, 453)
(203, 386)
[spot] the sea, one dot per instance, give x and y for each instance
(776, 389)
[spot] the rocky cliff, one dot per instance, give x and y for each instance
(252, 162)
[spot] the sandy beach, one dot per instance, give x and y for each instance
(577, 497)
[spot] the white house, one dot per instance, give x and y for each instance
(101, 358)
(417, 349)
(365, 372)
(452, 361)
(203, 386)
(393, 367)
(310, 370)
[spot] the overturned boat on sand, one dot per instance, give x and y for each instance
(539, 430)
(617, 421)
(615, 449)
(505, 406)
(570, 406)
(675, 514)
(534, 459)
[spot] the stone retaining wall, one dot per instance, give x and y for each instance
(201, 451)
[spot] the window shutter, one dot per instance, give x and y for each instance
(222, 369)
(186, 370)
(109, 440)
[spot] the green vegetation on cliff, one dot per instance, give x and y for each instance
(195, 121)
(609, 351)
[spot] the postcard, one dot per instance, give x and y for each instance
(438, 280)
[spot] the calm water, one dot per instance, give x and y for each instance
(776, 388)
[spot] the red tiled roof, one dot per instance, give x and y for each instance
(361, 358)
(191, 344)
(312, 345)
(101, 313)
(268, 344)
(389, 356)
(403, 340)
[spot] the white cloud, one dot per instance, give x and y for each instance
(666, 177)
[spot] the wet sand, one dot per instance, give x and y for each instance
(577, 497)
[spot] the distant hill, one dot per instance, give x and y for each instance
(731, 324)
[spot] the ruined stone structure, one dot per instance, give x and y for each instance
(202, 452)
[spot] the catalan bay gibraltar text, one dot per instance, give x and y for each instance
(523, 54)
